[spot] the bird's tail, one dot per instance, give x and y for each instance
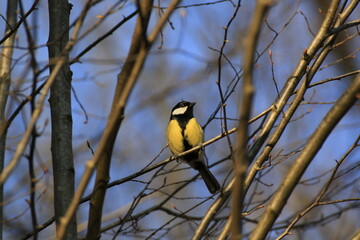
(211, 183)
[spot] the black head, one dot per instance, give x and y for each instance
(183, 109)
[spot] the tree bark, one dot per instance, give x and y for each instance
(61, 118)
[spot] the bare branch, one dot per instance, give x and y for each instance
(317, 201)
(114, 119)
(241, 161)
(315, 142)
(5, 78)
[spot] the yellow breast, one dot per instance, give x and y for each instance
(175, 138)
(193, 133)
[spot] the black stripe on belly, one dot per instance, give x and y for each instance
(183, 120)
(190, 156)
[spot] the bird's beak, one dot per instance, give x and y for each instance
(192, 104)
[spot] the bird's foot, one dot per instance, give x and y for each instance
(175, 156)
(201, 145)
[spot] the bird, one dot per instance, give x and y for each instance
(183, 133)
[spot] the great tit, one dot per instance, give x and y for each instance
(183, 133)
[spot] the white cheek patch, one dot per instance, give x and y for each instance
(179, 111)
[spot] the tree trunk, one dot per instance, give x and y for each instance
(61, 118)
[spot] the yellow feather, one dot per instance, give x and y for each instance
(175, 138)
(193, 133)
